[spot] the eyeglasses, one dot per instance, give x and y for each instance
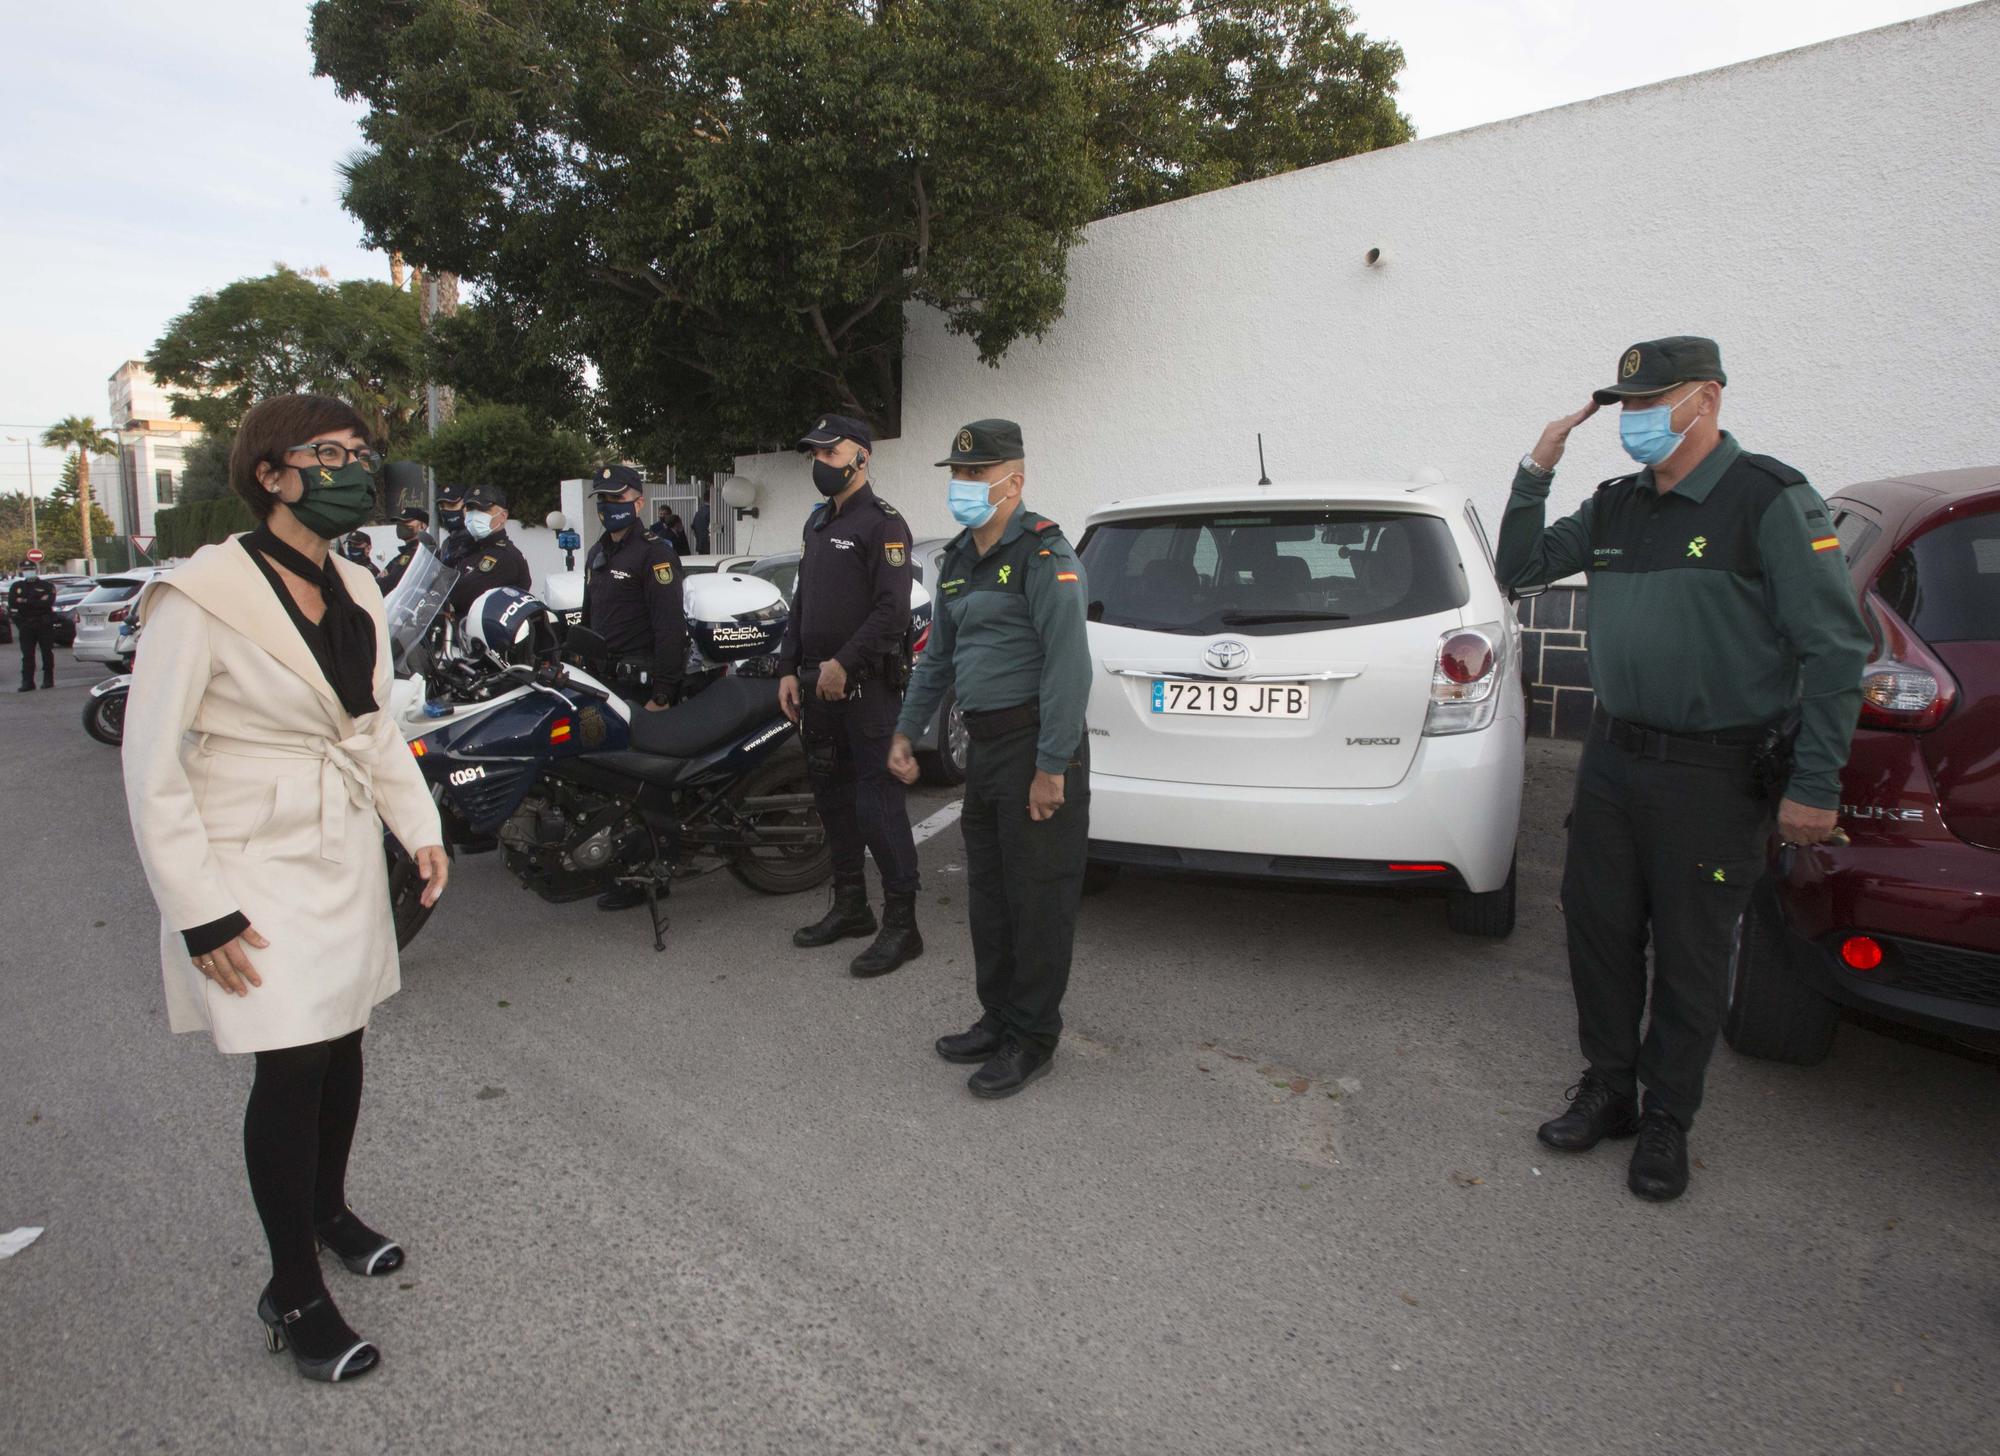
(334, 455)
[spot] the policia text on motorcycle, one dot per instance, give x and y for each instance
(494, 560)
(1009, 635)
(1721, 618)
(843, 662)
(31, 602)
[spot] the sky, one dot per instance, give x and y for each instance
(155, 152)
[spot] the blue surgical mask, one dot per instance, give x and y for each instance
(479, 524)
(971, 501)
(617, 514)
(1648, 435)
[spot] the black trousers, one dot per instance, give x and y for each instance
(1023, 883)
(1667, 852)
(860, 802)
(31, 635)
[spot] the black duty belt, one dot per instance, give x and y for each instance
(1730, 748)
(1001, 721)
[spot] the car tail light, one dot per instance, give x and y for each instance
(1465, 680)
(118, 614)
(1904, 686)
(1861, 952)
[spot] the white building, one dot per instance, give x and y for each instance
(1831, 215)
(152, 447)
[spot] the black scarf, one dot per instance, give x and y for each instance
(344, 641)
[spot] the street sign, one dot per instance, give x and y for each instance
(35, 555)
(143, 544)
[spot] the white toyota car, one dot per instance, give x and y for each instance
(1306, 682)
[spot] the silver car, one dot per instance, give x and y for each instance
(102, 614)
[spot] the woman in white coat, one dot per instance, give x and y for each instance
(258, 760)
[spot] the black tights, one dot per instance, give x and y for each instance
(297, 1131)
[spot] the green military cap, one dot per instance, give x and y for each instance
(986, 442)
(1660, 364)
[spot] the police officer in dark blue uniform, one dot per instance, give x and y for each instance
(413, 531)
(495, 560)
(843, 663)
(31, 602)
(456, 543)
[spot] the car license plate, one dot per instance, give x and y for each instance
(1233, 700)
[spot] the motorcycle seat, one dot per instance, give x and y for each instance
(646, 766)
(725, 711)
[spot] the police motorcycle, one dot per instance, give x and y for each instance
(526, 746)
(104, 708)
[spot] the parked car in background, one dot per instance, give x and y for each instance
(70, 590)
(1904, 919)
(1306, 682)
(941, 747)
(102, 614)
(702, 565)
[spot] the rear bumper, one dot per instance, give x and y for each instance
(1940, 988)
(95, 644)
(1459, 805)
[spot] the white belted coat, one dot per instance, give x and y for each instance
(251, 790)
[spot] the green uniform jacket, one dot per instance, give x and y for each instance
(1008, 629)
(1719, 605)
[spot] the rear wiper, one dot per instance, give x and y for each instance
(1252, 619)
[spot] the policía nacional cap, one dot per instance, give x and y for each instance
(450, 492)
(830, 429)
(616, 480)
(414, 513)
(986, 442)
(1660, 364)
(486, 495)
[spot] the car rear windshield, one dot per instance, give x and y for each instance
(1271, 572)
(1946, 583)
(112, 591)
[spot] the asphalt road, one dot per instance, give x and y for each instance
(1281, 1193)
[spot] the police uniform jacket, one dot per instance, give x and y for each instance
(31, 603)
(401, 562)
(632, 598)
(496, 561)
(252, 792)
(852, 599)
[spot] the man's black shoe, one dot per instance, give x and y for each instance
(1660, 1163)
(975, 1045)
(1597, 1111)
(849, 915)
(898, 942)
(25, 688)
(622, 897)
(1016, 1065)
(47, 683)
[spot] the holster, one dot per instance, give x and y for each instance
(1772, 760)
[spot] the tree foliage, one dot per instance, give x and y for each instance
(79, 434)
(512, 447)
(725, 207)
(284, 333)
(205, 469)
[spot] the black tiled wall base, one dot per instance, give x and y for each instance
(1554, 643)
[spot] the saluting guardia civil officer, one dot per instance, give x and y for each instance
(495, 559)
(1009, 635)
(1721, 616)
(842, 664)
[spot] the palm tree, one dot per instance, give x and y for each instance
(80, 433)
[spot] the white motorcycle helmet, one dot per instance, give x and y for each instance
(509, 627)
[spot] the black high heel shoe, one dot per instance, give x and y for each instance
(322, 1345)
(358, 1246)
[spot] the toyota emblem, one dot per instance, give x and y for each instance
(1226, 655)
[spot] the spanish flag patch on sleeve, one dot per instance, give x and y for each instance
(1826, 543)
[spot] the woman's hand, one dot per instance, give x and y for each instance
(229, 965)
(435, 866)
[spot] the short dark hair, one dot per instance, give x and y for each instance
(272, 427)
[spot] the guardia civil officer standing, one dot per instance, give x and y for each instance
(1009, 634)
(31, 602)
(495, 559)
(1720, 614)
(456, 544)
(412, 531)
(845, 643)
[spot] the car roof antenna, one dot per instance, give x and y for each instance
(1263, 475)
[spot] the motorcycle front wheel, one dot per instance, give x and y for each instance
(104, 717)
(783, 869)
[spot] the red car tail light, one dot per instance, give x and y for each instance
(1465, 681)
(119, 614)
(1904, 686)
(1861, 952)
(923, 640)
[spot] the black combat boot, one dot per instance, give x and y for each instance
(849, 915)
(1597, 1110)
(898, 942)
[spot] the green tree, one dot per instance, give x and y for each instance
(205, 472)
(511, 447)
(724, 208)
(285, 333)
(80, 433)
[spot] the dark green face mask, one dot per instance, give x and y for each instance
(336, 501)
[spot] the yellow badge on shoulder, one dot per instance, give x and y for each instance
(894, 551)
(663, 573)
(486, 563)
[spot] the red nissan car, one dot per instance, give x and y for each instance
(1903, 921)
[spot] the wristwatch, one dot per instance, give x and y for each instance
(1529, 464)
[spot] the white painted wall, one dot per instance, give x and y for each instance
(1831, 215)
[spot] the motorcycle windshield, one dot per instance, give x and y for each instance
(414, 603)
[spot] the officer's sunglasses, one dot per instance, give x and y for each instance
(333, 455)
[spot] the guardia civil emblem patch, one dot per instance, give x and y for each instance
(1631, 365)
(894, 551)
(663, 573)
(965, 442)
